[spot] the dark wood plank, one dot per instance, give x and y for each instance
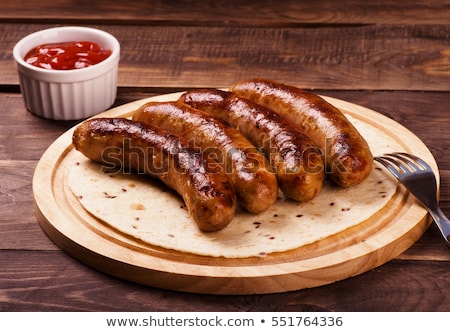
(52, 281)
(390, 56)
(430, 246)
(424, 113)
(230, 12)
(375, 57)
(18, 225)
(19, 130)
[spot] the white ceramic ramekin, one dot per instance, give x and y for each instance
(68, 94)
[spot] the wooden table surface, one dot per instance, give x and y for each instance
(390, 56)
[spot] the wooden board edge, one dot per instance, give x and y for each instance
(226, 283)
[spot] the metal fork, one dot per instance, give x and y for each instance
(418, 177)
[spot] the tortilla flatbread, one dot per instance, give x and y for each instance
(145, 209)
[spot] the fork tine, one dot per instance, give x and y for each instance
(419, 179)
(406, 159)
(419, 161)
(387, 162)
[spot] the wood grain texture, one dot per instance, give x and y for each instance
(393, 57)
(63, 284)
(231, 12)
(390, 56)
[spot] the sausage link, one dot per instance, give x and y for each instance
(209, 197)
(255, 183)
(347, 156)
(297, 161)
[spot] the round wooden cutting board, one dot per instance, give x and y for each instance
(358, 249)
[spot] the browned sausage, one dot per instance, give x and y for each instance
(209, 197)
(255, 183)
(297, 161)
(348, 158)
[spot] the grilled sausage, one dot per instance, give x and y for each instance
(209, 197)
(296, 160)
(347, 156)
(255, 183)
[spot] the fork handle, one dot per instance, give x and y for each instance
(442, 222)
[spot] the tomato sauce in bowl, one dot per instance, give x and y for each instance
(67, 55)
(68, 73)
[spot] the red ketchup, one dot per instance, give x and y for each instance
(66, 56)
